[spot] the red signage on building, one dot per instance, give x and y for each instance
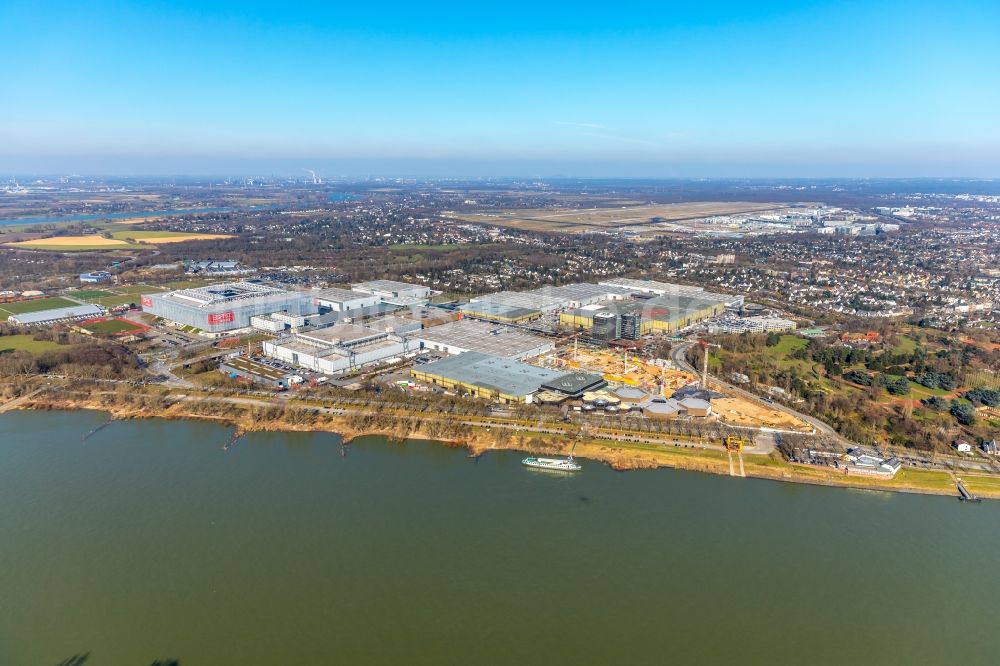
(147, 302)
(221, 318)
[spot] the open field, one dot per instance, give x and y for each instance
(89, 294)
(120, 240)
(579, 220)
(112, 297)
(20, 307)
(112, 326)
(71, 243)
(9, 343)
(159, 237)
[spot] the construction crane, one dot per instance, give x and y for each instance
(705, 344)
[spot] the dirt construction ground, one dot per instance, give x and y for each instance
(742, 412)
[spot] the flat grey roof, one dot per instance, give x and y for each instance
(483, 337)
(500, 309)
(503, 375)
(573, 383)
(341, 295)
(68, 312)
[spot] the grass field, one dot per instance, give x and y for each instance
(86, 295)
(10, 343)
(111, 327)
(20, 307)
(115, 296)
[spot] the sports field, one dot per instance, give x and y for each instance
(20, 307)
(112, 326)
(112, 297)
(88, 294)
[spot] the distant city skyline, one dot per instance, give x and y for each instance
(723, 89)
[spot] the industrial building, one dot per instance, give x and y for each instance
(575, 384)
(468, 335)
(552, 299)
(486, 376)
(56, 315)
(501, 312)
(225, 307)
(391, 291)
(344, 300)
(336, 349)
(216, 268)
(655, 288)
(633, 319)
(95, 277)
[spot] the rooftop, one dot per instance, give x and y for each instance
(483, 337)
(489, 309)
(502, 375)
(68, 312)
(222, 293)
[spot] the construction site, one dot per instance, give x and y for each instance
(659, 377)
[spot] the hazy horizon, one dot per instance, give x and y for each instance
(776, 89)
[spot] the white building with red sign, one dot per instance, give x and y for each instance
(222, 308)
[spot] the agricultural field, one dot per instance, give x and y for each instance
(9, 343)
(21, 307)
(84, 243)
(581, 220)
(119, 240)
(160, 237)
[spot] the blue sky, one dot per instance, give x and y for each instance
(626, 89)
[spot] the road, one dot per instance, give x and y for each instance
(679, 356)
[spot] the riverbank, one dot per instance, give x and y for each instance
(621, 456)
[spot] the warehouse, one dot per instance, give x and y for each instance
(506, 314)
(225, 307)
(529, 300)
(655, 288)
(632, 319)
(552, 299)
(343, 300)
(469, 335)
(391, 291)
(486, 376)
(55, 315)
(336, 349)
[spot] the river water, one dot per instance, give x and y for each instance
(148, 541)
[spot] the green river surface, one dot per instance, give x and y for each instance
(148, 542)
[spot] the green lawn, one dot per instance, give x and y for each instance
(111, 326)
(10, 343)
(906, 345)
(20, 307)
(787, 345)
(87, 295)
